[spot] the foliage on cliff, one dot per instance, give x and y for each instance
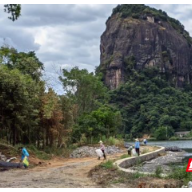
(141, 11)
(149, 103)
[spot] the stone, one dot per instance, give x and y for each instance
(3, 157)
(151, 43)
(86, 151)
(190, 184)
(162, 161)
(173, 148)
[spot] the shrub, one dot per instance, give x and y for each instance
(173, 138)
(108, 164)
(163, 133)
(181, 174)
(158, 171)
(124, 156)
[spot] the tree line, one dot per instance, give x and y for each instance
(30, 114)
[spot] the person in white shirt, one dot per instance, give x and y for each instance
(102, 147)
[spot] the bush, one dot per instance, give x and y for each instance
(38, 153)
(173, 138)
(83, 139)
(127, 137)
(163, 133)
(124, 156)
(107, 165)
(181, 174)
(114, 141)
(158, 171)
(103, 138)
(137, 175)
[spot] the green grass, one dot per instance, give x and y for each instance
(137, 175)
(181, 174)
(44, 154)
(38, 153)
(107, 165)
(64, 152)
(12, 151)
(158, 172)
(119, 180)
(123, 177)
(138, 162)
(124, 156)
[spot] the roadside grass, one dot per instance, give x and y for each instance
(107, 165)
(38, 153)
(137, 175)
(124, 156)
(158, 172)
(123, 177)
(180, 173)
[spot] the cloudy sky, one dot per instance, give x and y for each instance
(65, 36)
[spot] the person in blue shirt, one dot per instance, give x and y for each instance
(24, 153)
(137, 146)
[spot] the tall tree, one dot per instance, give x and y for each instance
(105, 121)
(51, 119)
(18, 101)
(85, 88)
(27, 63)
(14, 10)
(21, 88)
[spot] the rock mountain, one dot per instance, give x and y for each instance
(149, 36)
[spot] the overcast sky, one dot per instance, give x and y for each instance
(65, 36)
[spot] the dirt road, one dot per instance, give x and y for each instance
(70, 173)
(56, 173)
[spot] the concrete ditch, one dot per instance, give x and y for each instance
(124, 164)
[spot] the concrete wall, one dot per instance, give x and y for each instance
(124, 164)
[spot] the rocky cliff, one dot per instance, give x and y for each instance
(152, 38)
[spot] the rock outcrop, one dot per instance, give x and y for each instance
(173, 149)
(152, 42)
(188, 186)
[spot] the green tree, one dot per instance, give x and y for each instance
(163, 133)
(27, 63)
(84, 88)
(51, 119)
(103, 121)
(19, 104)
(148, 101)
(14, 10)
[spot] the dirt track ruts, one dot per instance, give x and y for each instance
(70, 173)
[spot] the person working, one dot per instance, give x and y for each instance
(137, 146)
